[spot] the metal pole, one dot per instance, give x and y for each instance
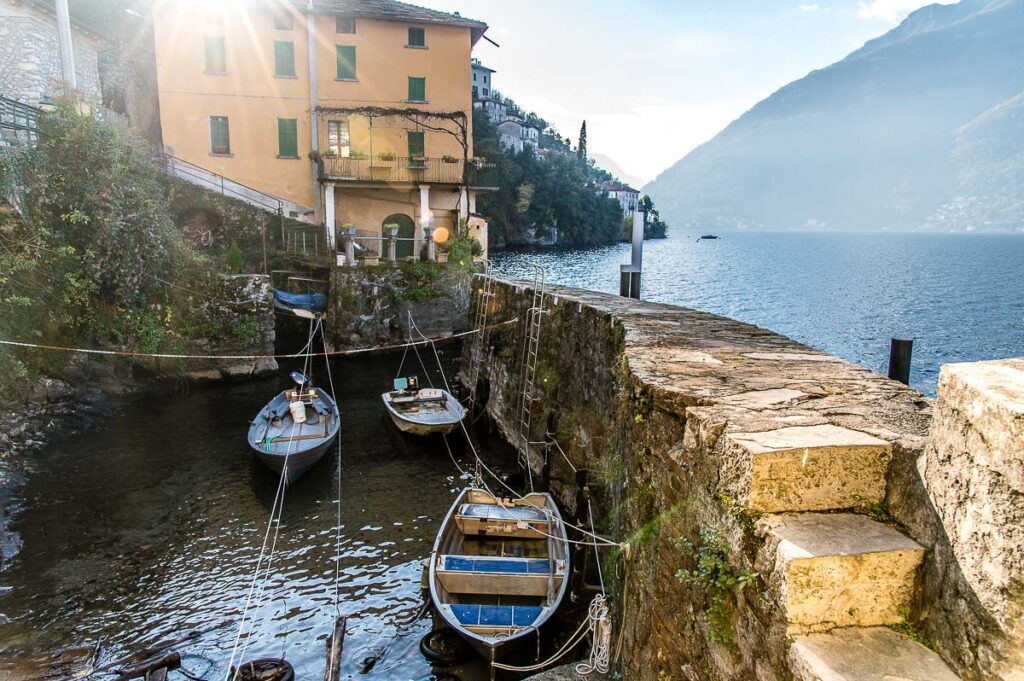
(900, 350)
(67, 51)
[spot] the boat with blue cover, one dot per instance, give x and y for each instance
(300, 302)
(499, 567)
(295, 429)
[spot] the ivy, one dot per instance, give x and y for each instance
(719, 580)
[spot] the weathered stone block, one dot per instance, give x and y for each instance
(868, 654)
(837, 570)
(973, 468)
(806, 468)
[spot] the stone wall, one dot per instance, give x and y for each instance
(719, 445)
(30, 56)
(370, 305)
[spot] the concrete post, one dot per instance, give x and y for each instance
(67, 51)
(425, 218)
(463, 204)
(428, 234)
(350, 247)
(392, 244)
(472, 202)
(329, 219)
(629, 275)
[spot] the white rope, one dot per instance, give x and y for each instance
(596, 625)
(337, 530)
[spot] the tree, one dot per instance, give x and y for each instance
(581, 148)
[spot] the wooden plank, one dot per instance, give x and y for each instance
(334, 648)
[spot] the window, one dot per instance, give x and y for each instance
(346, 62)
(475, 92)
(284, 58)
(474, 76)
(417, 89)
(287, 138)
(220, 138)
(486, 92)
(283, 20)
(416, 145)
(345, 24)
(216, 61)
(417, 37)
(338, 138)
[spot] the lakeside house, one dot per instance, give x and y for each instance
(30, 58)
(627, 197)
(481, 79)
(515, 131)
(370, 127)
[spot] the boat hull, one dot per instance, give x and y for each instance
(277, 440)
(419, 428)
(437, 420)
(493, 644)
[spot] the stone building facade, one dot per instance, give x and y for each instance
(30, 66)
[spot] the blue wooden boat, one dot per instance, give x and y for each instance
(295, 429)
(499, 568)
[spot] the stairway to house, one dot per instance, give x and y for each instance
(840, 578)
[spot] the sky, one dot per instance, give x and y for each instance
(656, 78)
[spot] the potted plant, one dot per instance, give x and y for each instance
(417, 163)
(448, 158)
(357, 155)
(387, 156)
(369, 258)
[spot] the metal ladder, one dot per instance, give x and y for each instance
(528, 373)
(484, 295)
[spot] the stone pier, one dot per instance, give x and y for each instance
(719, 445)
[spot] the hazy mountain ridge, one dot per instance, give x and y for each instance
(893, 136)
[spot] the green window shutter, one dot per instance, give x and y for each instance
(216, 62)
(284, 58)
(346, 62)
(220, 138)
(417, 37)
(287, 138)
(417, 89)
(416, 145)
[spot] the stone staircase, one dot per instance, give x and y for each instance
(838, 578)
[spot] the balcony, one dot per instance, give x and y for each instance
(398, 170)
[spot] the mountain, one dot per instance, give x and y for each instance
(922, 127)
(609, 164)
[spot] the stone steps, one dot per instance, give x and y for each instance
(864, 654)
(807, 468)
(830, 570)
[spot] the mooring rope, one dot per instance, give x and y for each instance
(325, 353)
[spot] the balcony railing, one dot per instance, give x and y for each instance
(404, 169)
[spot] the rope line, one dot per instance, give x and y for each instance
(325, 353)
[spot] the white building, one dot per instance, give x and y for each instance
(481, 79)
(627, 197)
(30, 61)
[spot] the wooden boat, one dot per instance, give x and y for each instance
(277, 438)
(422, 411)
(499, 568)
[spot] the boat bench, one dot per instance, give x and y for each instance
(473, 615)
(497, 576)
(524, 522)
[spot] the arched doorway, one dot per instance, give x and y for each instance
(406, 232)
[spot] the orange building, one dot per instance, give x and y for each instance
(385, 86)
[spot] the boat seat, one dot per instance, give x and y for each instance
(475, 615)
(507, 566)
(524, 522)
(498, 576)
(320, 407)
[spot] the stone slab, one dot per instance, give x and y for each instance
(973, 469)
(808, 468)
(838, 570)
(865, 654)
(763, 399)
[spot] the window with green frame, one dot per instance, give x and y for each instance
(220, 136)
(284, 58)
(417, 37)
(346, 62)
(216, 60)
(417, 89)
(417, 149)
(287, 138)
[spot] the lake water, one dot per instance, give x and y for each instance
(959, 296)
(150, 527)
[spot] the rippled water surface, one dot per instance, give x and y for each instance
(960, 296)
(150, 527)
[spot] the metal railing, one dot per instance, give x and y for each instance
(19, 122)
(215, 182)
(386, 168)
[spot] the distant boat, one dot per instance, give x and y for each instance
(295, 428)
(709, 237)
(422, 411)
(302, 304)
(499, 568)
